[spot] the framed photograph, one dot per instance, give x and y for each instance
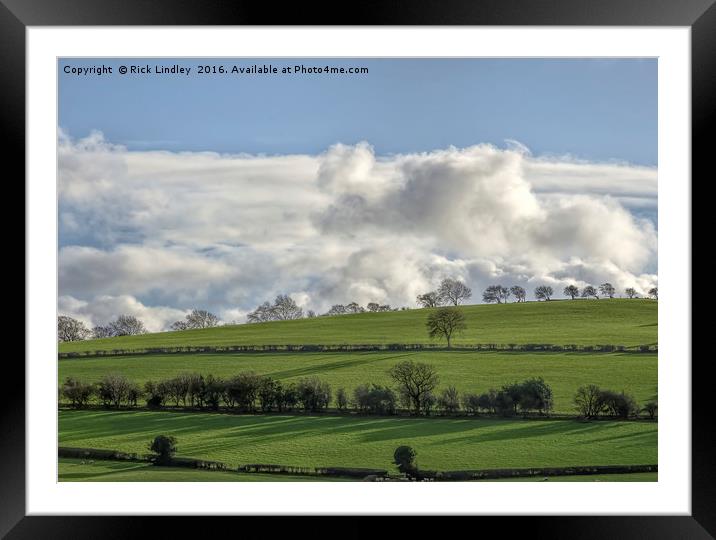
(406, 264)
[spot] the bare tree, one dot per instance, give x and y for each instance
(284, 308)
(496, 293)
(544, 292)
(589, 291)
(198, 318)
(429, 299)
(654, 293)
(519, 293)
(263, 313)
(607, 289)
(445, 322)
(572, 291)
(415, 382)
(99, 332)
(69, 329)
(453, 291)
(127, 325)
(631, 292)
(179, 326)
(588, 401)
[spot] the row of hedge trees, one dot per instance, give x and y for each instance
(249, 392)
(593, 402)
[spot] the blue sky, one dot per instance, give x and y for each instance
(593, 109)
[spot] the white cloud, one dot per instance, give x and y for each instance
(173, 231)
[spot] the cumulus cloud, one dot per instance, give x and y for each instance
(162, 232)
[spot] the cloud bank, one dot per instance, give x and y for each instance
(155, 233)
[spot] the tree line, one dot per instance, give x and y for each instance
(415, 389)
(450, 292)
(499, 294)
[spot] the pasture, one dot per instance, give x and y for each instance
(324, 441)
(78, 470)
(559, 322)
(468, 371)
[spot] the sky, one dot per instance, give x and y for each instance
(220, 191)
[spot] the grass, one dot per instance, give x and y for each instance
(468, 371)
(78, 470)
(580, 322)
(631, 477)
(312, 441)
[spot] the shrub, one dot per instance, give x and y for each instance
(313, 394)
(165, 447)
(267, 392)
(77, 392)
(449, 400)
(341, 399)
(535, 394)
(155, 394)
(404, 458)
(374, 399)
(650, 408)
(114, 390)
(429, 402)
(242, 390)
(471, 403)
(619, 404)
(287, 397)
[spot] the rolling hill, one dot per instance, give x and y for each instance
(564, 322)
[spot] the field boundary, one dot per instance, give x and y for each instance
(318, 348)
(399, 413)
(356, 472)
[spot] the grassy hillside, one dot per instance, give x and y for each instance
(580, 322)
(313, 441)
(468, 371)
(79, 470)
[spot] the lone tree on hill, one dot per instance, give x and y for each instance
(404, 458)
(630, 292)
(572, 291)
(589, 291)
(519, 293)
(429, 299)
(453, 291)
(69, 329)
(544, 292)
(654, 293)
(165, 448)
(607, 289)
(415, 381)
(445, 322)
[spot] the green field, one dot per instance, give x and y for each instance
(79, 470)
(317, 441)
(631, 477)
(564, 322)
(467, 371)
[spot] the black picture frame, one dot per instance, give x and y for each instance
(699, 15)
